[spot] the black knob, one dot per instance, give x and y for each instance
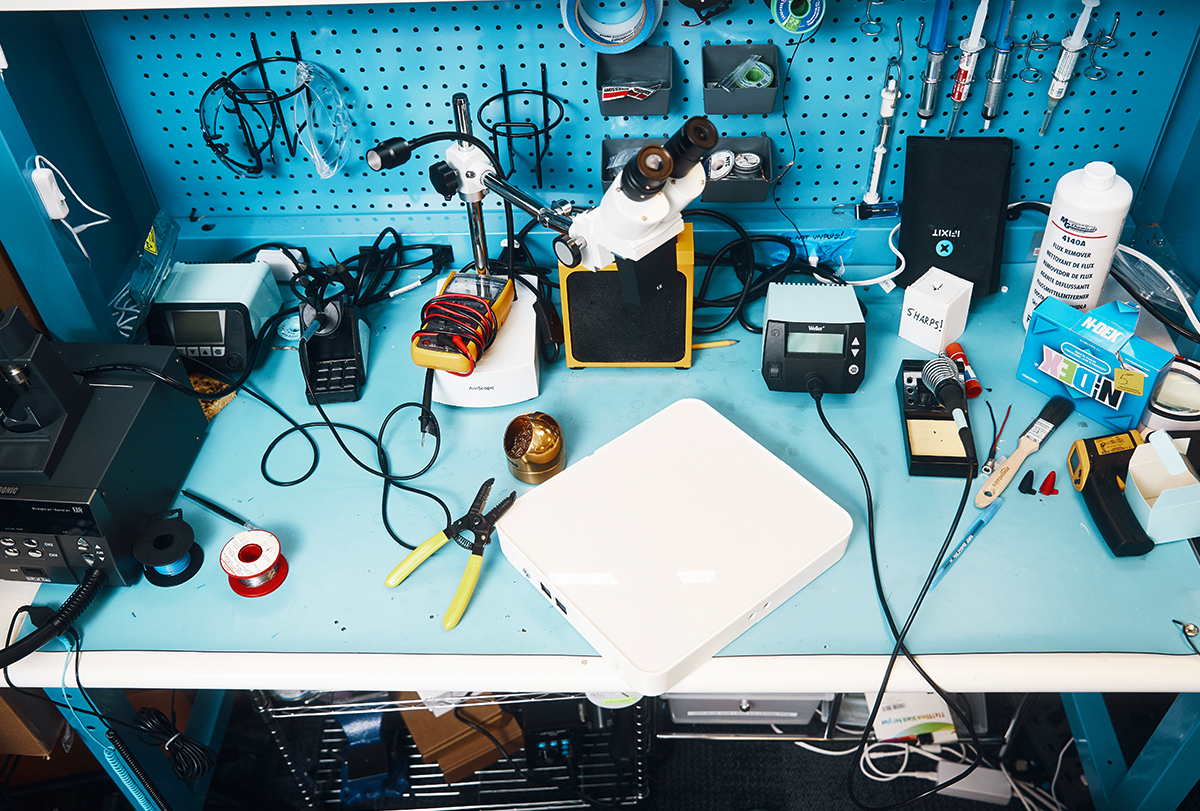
(568, 250)
(444, 179)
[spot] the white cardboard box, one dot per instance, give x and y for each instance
(935, 310)
(1168, 506)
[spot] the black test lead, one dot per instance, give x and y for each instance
(217, 509)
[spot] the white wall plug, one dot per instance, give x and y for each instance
(53, 199)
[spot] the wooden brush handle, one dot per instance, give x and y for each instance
(1004, 474)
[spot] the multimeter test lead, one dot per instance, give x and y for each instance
(1065, 69)
(998, 74)
(217, 509)
(964, 77)
(935, 54)
(974, 530)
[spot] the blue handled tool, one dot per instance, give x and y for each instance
(979, 524)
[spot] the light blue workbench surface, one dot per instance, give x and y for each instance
(1037, 580)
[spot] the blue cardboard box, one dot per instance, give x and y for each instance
(1094, 358)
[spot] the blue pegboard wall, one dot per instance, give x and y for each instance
(399, 65)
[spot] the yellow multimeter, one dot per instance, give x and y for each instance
(461, 321)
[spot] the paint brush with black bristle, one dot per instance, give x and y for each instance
(1054, 412)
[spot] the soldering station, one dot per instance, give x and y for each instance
(699, 322)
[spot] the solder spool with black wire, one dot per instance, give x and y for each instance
(167, 550)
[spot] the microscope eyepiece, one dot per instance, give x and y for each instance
(688, 146)
(645, 175)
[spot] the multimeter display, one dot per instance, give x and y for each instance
(815, 343)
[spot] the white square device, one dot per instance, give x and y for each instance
(671, 540)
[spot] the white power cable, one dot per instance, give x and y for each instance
(1057, 771)
(885, 277)
(1175, 288)
(75, 230)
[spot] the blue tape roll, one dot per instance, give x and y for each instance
(614, 37)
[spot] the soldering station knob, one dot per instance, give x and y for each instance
(645, 175)
(568, 250)
(389, 154)
(444, 179)
(690, 144)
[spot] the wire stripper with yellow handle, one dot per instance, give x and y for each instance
(480, 526)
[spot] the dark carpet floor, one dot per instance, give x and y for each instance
(681, 774)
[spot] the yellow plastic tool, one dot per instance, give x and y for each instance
(480, 525)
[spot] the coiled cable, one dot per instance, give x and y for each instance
(190, 759)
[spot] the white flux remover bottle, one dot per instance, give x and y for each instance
(1086, 217)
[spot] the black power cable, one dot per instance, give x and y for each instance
(190, 759)
(740, 253)
(816, 390)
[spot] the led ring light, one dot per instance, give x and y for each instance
(1175, 405)
(610, 37)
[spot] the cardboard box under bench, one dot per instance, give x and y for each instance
(459, 750)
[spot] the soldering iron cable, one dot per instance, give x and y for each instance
(815, 388)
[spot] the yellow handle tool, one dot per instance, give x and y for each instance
(466, 587)
(414, 559)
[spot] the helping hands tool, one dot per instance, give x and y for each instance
(1065, 70)
(480, 525)
(1054, 412)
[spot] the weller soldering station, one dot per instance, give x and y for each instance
(696, 306)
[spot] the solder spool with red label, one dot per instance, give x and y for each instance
(254, 562)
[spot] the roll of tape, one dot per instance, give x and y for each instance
(747, 163)
(756, 77)
(616, 37)
(720, 164)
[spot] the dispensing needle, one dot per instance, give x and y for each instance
(968, 57)
(998, 74)
(1071, 46)
(936, 52)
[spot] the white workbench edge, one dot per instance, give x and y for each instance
(1050, 672)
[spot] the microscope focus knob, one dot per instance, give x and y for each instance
(568, 250)
(444, 179)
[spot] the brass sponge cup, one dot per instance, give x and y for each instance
(533, 444)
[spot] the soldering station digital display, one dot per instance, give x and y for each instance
(212, 312)
(813, 329)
